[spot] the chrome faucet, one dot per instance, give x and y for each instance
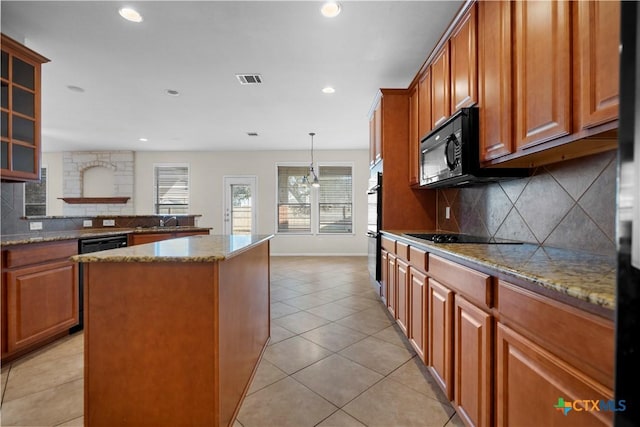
(165, 220)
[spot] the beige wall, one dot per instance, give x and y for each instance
(207, 170)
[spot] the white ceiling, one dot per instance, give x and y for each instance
(197, 48)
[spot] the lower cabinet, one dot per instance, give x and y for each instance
(472, 347)
(39, 295)
(502, 354)
(533, 385)
(142, 238)
(402, 312)
(392, 289)
(384, 276)
(418, 312)
(440, 336)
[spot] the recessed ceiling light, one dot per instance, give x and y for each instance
(130, 14)
(172, 92)
(331, 9)
(328, 89)
(143, 140)
(77, 89)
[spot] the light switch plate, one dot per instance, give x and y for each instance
(87, 223)
(108, 222)
(35, 225)
(447, 212)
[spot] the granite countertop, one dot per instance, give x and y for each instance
(50, 236)
(201, 248)
(583, 276)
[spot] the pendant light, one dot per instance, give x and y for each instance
(312, 174)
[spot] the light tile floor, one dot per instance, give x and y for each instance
(335, 358)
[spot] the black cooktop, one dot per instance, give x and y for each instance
(459, 238)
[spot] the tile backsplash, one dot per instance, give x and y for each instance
(569, 205)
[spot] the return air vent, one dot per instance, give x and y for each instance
(249, 79)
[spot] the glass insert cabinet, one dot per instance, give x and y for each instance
(20, 125)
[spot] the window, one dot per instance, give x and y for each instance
(35, 196)
(294, 200)
(331, 205)
(335, 199)
(171, 189)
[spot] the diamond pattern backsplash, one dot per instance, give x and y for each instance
(569, 205)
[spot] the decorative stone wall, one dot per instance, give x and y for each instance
(120, 163)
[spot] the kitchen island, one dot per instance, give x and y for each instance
(174, 330)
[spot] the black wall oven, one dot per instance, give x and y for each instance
(374, 222)
(86, 246)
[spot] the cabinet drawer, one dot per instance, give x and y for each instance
(36, 253)
(419, 259)
(402, 250)
(584, 340)
(472, 284)
(389, 244)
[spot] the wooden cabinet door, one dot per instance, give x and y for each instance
(384, 276)
(530, 382)
(418, 312)
(424, 104)
(42, 301)
(414, 138)
(378, 133)
(402, 304)
(464, 66)
(542, 59)
(372, 140)
(494, 78)
(440, 337)
(472, 363)
(440, 87)
(392, 289)
(20, 137)
(597, 66)
(142, 238)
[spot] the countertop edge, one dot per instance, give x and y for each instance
(214, 256)
(55, 236)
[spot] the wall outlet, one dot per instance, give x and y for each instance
(108, 222)
(35, 225)
(447, 212)
(87, 223)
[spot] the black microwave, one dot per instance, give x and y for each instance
(449, 155)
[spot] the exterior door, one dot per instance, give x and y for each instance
(240, 205)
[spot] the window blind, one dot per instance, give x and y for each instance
(335, 203)
(172, 189)
(294, 200)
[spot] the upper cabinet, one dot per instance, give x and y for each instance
(542, 71)
(414, 137)
(596, 62)
(547, 80)
(375, 135)
(464, 68)
(494, 78)
(20, 138)
(424, 104)
(440, 87)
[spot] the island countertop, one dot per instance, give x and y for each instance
(204, 248)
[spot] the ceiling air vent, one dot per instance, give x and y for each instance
(252, 133)
(249, 79)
